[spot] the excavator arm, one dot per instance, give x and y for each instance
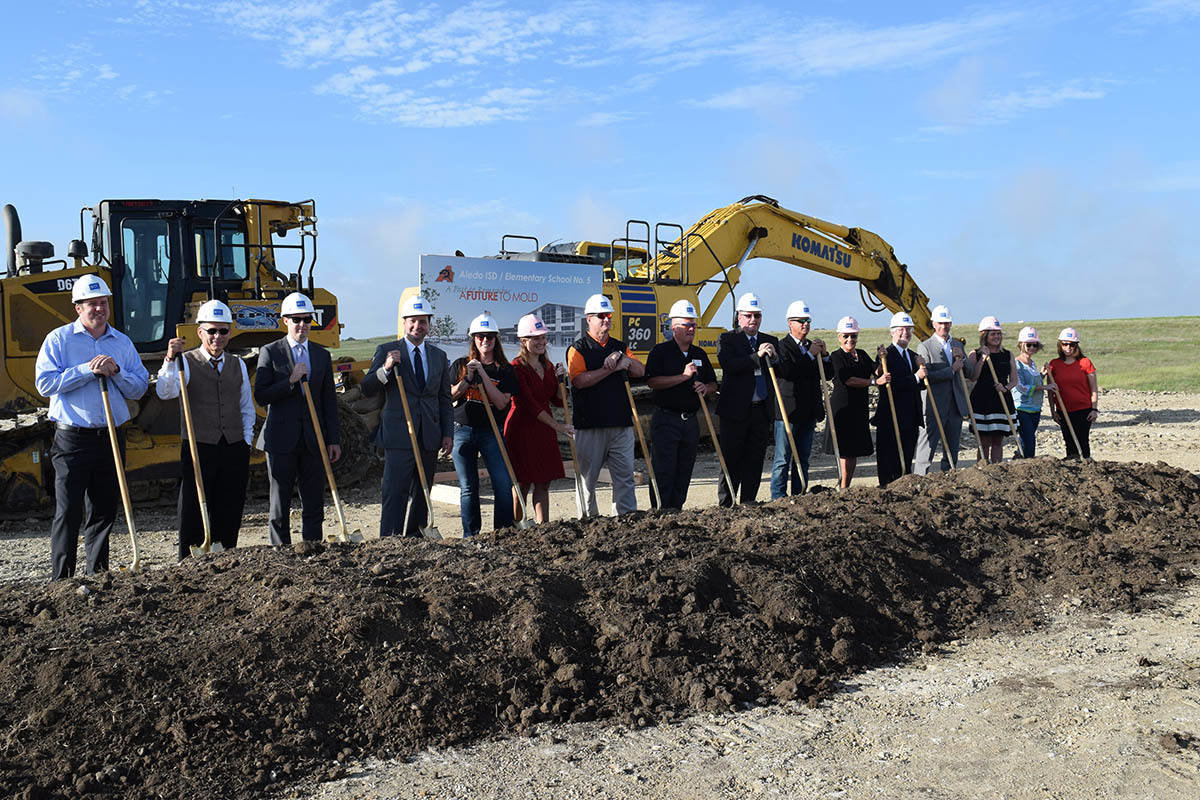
(716, 247)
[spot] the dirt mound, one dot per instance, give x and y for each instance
(231, 673)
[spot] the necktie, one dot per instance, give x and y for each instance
(760, 382)
(216, 364)
(949, 353)
(299, 354)
(418, 370)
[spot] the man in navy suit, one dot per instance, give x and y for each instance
(747, 404)
(288, 436)
(426, 374)
(905, 377)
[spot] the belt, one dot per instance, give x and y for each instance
(758, 402)
(62, 426)
(683, 415)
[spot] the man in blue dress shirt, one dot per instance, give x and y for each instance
(69, 366)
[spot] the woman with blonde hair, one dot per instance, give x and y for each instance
(531, 432)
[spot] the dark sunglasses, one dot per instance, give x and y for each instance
(752, 314)
(298, 320)
(216, 331)
(484, 335)
(804, 321)
(1068, 344)
(602, 316)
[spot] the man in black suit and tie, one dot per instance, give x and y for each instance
(904, 376)
(425, 371)
(803, 401)
(288, 436)
(747, 404)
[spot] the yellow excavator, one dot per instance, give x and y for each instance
(704, 263)
(163, 259)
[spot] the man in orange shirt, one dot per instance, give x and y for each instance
(603, 419)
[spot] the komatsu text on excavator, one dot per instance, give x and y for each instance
(163, 259)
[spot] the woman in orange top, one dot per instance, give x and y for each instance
(1074, 377)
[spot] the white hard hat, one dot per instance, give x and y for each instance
(799, 310)
(749, 302)
(598, 304)
(1028, 334)
(941, 314)
(683, 309)
(900, 320)
(416, 306)
(88, 286)
(989, 323)
(530, 325)
(214, 311)
(847, 325)
(295, 304)
(484, 323)
(1069, 335)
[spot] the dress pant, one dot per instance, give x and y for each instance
(285, 470)
(401, 492)
(744, 445)
(86, 493)
(225, 469)
(597, 447)
(674, 440)
(929, 437)
(888, 458)
(783, 466)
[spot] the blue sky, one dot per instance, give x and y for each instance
(1035, 161)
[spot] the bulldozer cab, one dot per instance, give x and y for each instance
(160, 254)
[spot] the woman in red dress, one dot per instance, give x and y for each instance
(530, 431)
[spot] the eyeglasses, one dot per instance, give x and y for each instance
(602, 316)
(301, 320)
(848, 335)
(688, 325)
(1068, 344)
(751, 314)
(216, 331)
(804, 321)
(484, 335)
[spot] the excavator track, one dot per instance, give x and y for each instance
(27, 432)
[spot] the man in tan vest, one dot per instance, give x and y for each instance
(223, 416)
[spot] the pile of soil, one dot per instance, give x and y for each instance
(237, 672)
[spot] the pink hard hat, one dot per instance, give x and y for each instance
(1069, 335)
(1028, 334)
(847, 325)
(989, 323)
(530, 325)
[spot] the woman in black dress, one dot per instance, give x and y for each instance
(853, 372)
(991, 396)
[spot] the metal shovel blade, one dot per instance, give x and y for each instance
(525, 524)
(431, 533)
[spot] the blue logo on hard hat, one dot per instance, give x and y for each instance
(418, 304)
(218, 312)
(301, 304)
(94, 286)
(538, 325)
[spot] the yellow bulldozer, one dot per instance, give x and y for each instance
(163, 259)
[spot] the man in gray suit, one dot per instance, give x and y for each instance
(287, 435)
(944, 361)
(426, 374)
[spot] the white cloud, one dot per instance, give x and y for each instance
(760, 97)
(18, 105)
(1167, 10)
(1000, 108)
(603, 119)
(1182, 177)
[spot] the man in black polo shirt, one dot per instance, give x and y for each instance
(598, 365)
(680, 375)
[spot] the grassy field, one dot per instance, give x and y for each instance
(1146, 353)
